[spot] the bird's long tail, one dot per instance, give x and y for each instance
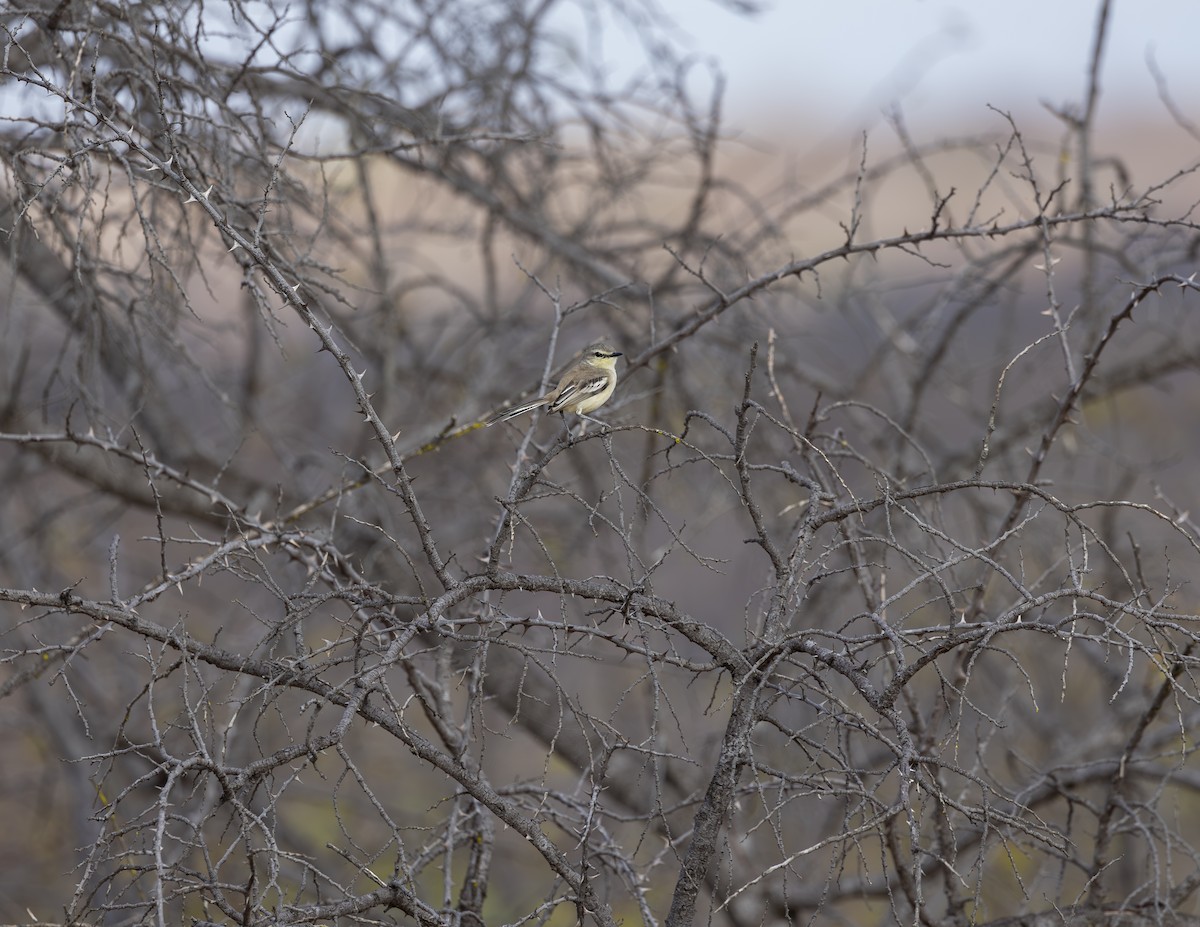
(512, 412)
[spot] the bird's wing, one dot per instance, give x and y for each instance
(573, 392)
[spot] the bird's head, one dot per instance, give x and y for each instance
(601, 354)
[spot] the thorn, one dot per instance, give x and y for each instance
(295, 288)
(1053, 262)
(1049, 311)
(179, 586)
(234, 247)
(197, 197)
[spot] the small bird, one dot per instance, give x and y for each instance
(584, 388)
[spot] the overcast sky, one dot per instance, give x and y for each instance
(853, 58)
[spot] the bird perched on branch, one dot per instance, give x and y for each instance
(584, 388)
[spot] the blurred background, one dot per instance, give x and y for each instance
(843, 65)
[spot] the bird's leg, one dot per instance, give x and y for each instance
(567, 428)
